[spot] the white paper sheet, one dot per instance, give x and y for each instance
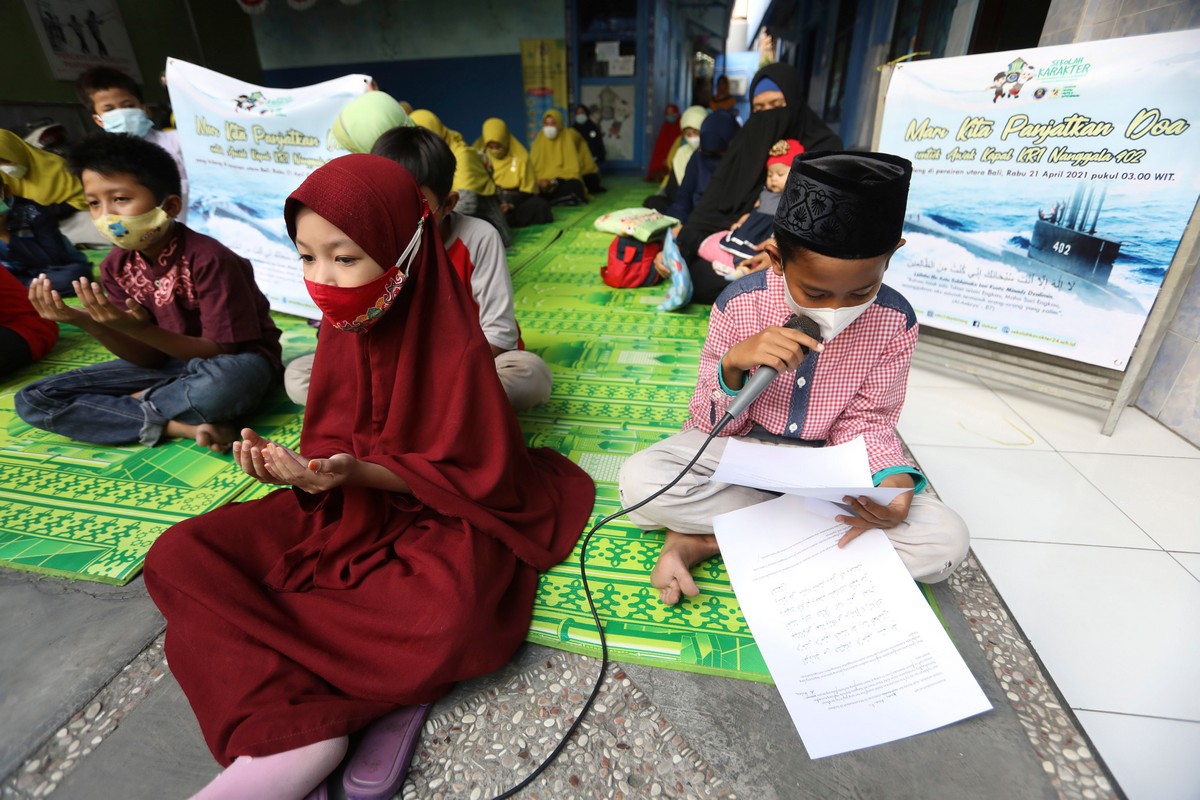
(854, 648)
(622, 65)
(825, 473)
(607, 51)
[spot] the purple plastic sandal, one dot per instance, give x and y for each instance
(379, 764)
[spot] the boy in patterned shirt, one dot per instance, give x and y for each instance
(195, 344)
(837, 225)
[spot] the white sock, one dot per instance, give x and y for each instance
(289, 775)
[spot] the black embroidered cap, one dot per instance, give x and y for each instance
(845, 205)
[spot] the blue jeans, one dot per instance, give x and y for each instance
(95, 403)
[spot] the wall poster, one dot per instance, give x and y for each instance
(1050, 189)
(544, 72)
(246, 148)
(80, 34)
(611, 107)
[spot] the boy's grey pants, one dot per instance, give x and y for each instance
(932, 542)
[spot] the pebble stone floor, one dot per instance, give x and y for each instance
(486, 735)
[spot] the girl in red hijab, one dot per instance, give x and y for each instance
(668, 135)
(405, 555)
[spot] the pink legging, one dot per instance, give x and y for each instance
(711, 250)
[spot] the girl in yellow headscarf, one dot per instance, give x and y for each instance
(31, 240)
(561, 159)
(512, 172)
(476, 190)
(681, 152)
(38, 175)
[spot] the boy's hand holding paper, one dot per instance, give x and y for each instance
(824, 476)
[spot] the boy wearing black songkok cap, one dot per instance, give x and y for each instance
(838, 223)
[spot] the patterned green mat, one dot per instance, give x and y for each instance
(623, 375)
(89, 512)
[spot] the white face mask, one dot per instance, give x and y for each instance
(832, 320)
(127, 120)
(693, 141)
(14, 171)
(581, 119)
(549, 131)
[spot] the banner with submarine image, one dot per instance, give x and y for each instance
(1050, 189)
(246, 148)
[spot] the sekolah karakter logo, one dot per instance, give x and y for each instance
(1008, 82)
(1059, 79)
(257, 104)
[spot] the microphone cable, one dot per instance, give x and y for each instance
(747, 395)
(725, 420)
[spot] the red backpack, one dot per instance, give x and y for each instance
(631, 263)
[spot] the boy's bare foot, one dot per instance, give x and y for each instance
(216, 436)
(672, 575)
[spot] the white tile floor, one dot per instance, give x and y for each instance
(1094, 543)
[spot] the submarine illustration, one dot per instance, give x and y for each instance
(1064, 248)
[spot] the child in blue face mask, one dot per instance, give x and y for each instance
(115, 102)
(195, 344)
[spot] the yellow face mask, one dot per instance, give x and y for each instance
(133, 232)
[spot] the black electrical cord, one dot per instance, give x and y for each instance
(596, 617)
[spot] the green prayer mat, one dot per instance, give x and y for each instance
(623, 376)
(91, 512)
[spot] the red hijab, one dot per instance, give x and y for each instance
(418, 394)
(667, 135)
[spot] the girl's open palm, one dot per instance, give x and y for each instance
(310, 475)
(248, 453)
(273, 463)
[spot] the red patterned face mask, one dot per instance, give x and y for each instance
(356, 309)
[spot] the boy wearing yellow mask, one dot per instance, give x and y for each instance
(195, 344)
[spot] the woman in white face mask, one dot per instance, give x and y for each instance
(561, 160)
(512, 171)
(681, 153)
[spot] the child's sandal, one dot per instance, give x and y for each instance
(378, 766)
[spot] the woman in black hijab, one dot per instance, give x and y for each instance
(778, 111)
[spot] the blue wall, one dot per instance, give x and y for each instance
(463, 92)
(461, 60)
